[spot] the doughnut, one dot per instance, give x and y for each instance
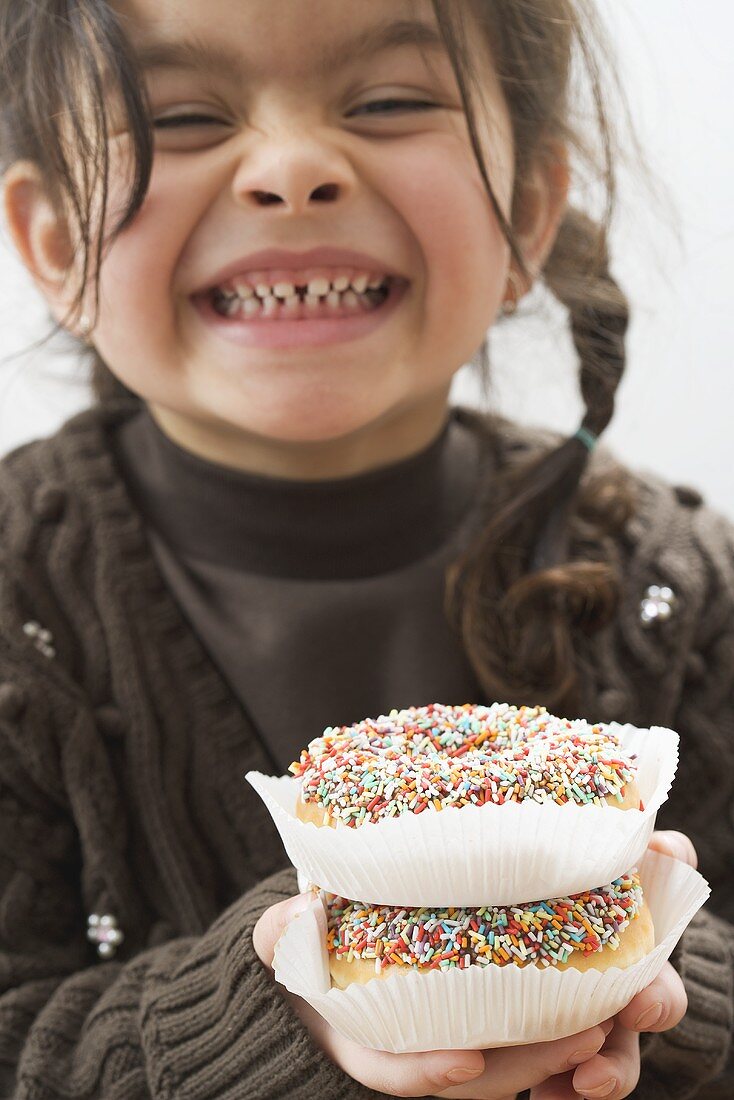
(437, 756)
(593, 930)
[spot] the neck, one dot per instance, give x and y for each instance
(399, 435)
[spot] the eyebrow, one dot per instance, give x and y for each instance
(196, 53)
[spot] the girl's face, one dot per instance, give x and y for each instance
(293, 146)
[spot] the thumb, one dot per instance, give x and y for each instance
(675, 844)
(272, 924)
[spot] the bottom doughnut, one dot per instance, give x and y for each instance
(595, 930)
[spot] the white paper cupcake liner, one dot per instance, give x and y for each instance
(479, 855)
(486, 1006)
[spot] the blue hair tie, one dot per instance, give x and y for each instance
(587, 438)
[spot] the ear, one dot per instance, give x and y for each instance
(539, 207)
(41, 237)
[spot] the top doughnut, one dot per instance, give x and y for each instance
(438, 756)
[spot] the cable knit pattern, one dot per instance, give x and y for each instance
(121, 792)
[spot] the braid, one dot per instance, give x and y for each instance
(516, 596)
(599, 316)
(598, 310)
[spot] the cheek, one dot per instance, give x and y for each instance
(439, 194)
(139, 269)
(137, 323)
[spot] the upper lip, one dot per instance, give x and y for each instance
(279, 258)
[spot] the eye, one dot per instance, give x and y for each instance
(174, 122)
(171, 122)
(411, 103)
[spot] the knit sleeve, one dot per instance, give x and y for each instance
(696, 1058)
(196, 1018)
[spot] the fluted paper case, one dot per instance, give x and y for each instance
(479, 855)
(491, 1006)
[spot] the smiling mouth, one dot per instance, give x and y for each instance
(302, 306)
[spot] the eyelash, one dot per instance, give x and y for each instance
(178, 120)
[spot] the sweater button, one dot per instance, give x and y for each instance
(49, 503)
(13, 701)
(657, 605)
(103, 930)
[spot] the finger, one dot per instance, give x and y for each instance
(272, 923)
(675, 844)
(510, 1070)
(419, 1074)
(615, 1071)
(395, 1074)
(658, 1007)
(422, 1074)
(559, 1087)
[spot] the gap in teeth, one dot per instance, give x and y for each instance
(267, 304)
(311, 292)
(230, 305)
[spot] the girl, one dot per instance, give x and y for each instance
(278, 230)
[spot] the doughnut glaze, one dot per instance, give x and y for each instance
(596, 929)
(435, 757)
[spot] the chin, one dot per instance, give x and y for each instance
(313, 424)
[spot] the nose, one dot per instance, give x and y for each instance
(294, 172)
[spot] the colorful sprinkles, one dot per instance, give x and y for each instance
(436, 756)
(542, 932)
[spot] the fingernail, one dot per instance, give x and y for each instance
(580, 1056)
(677, 843)
(607, 1026)
(651, 1016)
(461, 1074)
(602, 1090)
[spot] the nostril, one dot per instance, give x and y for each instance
(266, 198)
(325, 191)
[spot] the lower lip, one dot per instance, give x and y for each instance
(263, 333)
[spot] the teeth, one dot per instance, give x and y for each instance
(282, 299)
(316, 288)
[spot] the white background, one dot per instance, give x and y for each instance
(675, 404)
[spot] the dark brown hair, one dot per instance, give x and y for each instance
(517, 596)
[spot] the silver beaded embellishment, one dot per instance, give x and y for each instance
(42, 638)
(657, 604)
(102, 930)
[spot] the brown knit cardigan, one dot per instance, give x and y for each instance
(122, 756)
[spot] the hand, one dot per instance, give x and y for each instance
(659, 1007)
(499, 1074)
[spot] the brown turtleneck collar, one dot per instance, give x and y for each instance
(334, 529)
